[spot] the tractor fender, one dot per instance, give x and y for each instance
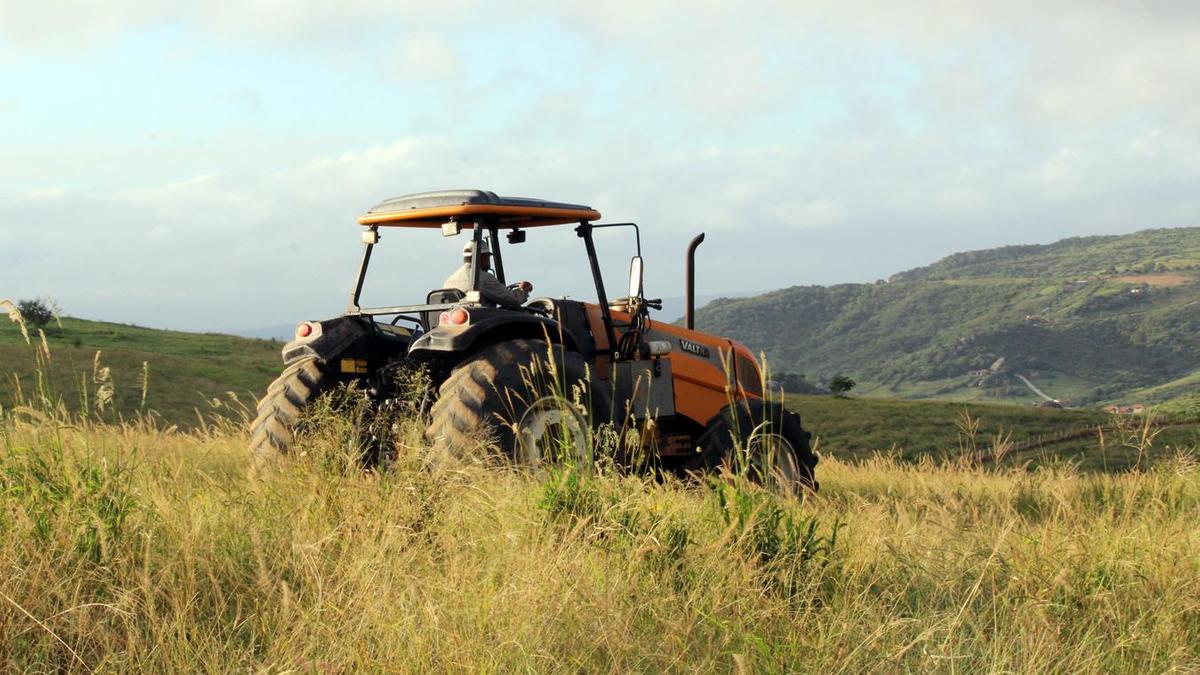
(489, 326)
(331, 340)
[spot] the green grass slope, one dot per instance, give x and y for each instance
(1090, 319)
(856, 429)
(186, 370)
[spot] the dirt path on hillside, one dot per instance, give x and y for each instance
(1160, 280)
(1035, 390)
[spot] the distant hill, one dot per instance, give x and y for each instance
(187, 371)
(674, 307)
(1087, 319)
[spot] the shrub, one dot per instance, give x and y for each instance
(35, 312)
(841, 385)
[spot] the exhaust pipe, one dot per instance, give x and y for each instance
(689, 291)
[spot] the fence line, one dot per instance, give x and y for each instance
(1043, 440)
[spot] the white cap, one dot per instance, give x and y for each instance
(483, 248)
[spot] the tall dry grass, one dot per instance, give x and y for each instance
(132, 548)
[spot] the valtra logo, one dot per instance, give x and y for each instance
(693, 348)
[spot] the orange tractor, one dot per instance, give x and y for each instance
(533, 382)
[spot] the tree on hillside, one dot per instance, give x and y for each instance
(35, 312)
(796, 383)
(841, 385)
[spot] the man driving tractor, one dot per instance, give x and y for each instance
(491, 291)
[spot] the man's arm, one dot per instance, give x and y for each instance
(461, 279)
(492, 290)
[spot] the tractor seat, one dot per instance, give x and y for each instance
(441, 296)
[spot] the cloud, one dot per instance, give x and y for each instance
(43, 194)
(1071, 61)
(226, 248)
(1075, 60)
(74, 25)
(1061, 173)
(247, 98)
(425, 55)
(815, 213)
(242, 247)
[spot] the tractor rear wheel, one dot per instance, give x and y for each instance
(533, 401)
(273, 429)
(765, 440)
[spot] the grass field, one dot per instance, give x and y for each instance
(854, 429)
(1188, 384)
(1184, 406)
(186, 371)
(129, 549)
(1058, 385)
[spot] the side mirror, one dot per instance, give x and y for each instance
(635, 277)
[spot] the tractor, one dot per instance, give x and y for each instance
(535, 383)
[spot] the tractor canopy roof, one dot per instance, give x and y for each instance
(432, 209)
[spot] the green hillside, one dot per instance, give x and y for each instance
(858, 429)
(186, 370)
(1087, 319)
(1143, 252)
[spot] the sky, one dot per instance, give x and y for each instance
(201, 166)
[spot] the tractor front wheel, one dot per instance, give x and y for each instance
(764, 441)
(533, 401)
(273, 429)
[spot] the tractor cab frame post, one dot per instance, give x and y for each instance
(585, 232)
(370, 238)
(477, 237)
(637, 232)
(480, 228)
(497, 259)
